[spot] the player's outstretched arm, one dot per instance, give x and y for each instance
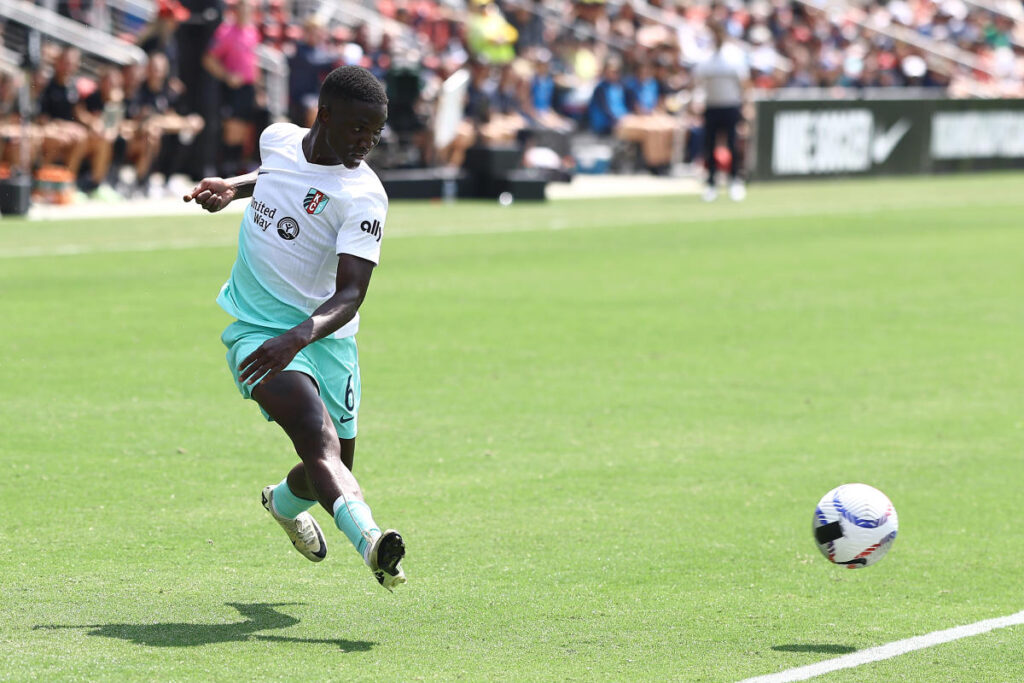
(275, 354)
(213, 194)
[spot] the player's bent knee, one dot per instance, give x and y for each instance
(313, 435)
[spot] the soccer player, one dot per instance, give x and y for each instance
(725, 79)
(306, 249)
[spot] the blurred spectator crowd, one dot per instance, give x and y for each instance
(540, 73)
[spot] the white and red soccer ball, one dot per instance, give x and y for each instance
(855, 525)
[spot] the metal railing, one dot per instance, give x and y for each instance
(58, 28)
(350, 13)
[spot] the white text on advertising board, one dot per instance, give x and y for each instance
(832, 141)
(977, 134)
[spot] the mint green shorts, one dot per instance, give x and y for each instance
(332, 363)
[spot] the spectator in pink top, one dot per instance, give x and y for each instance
(232, 60)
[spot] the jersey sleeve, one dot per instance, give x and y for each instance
(270, 139)
(362, 226)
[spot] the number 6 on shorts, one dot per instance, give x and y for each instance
(350, 395)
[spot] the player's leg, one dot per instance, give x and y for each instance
(737, 190)
(710, 140)
(298, 480)
(384, 555)
(351, 514)
(730, 142)
(291, 399)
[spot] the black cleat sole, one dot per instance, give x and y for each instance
(390, 551)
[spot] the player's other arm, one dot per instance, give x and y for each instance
(275, 354)
(213, 194)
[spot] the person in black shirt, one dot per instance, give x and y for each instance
(65, 141)
(506, 108)
(201, 93)
(166, 132)
(62, 110)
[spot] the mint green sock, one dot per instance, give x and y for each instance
(355, 520)
(287, 504)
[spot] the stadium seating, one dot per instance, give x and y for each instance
(542, 61)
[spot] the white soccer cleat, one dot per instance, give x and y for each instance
(303, 531)
(710, 194)
(384, 558)
(737, 191)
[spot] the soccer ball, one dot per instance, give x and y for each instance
(855, 525)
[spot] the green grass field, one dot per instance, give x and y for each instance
(602, 427)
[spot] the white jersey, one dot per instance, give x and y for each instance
(301, 217)
(722, 76)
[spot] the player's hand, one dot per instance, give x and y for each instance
(213, 194)
(270, 358)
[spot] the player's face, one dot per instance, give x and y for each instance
(353, 129)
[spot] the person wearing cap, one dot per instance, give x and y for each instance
(725, 79)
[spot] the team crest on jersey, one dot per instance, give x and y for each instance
(315, 201)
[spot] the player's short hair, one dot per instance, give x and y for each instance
(352, 84)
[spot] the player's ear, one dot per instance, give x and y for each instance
(323, 114)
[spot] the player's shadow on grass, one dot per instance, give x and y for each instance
(259, 616)
(824, 648)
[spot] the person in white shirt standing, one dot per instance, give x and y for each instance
(307, 246)
(725, 80)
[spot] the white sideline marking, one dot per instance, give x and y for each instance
(508, 228)
(889, 650)
(82, 249)
(553, 224)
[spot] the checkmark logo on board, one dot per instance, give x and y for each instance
(885, 142)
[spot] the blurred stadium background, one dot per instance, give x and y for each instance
(110, 100)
